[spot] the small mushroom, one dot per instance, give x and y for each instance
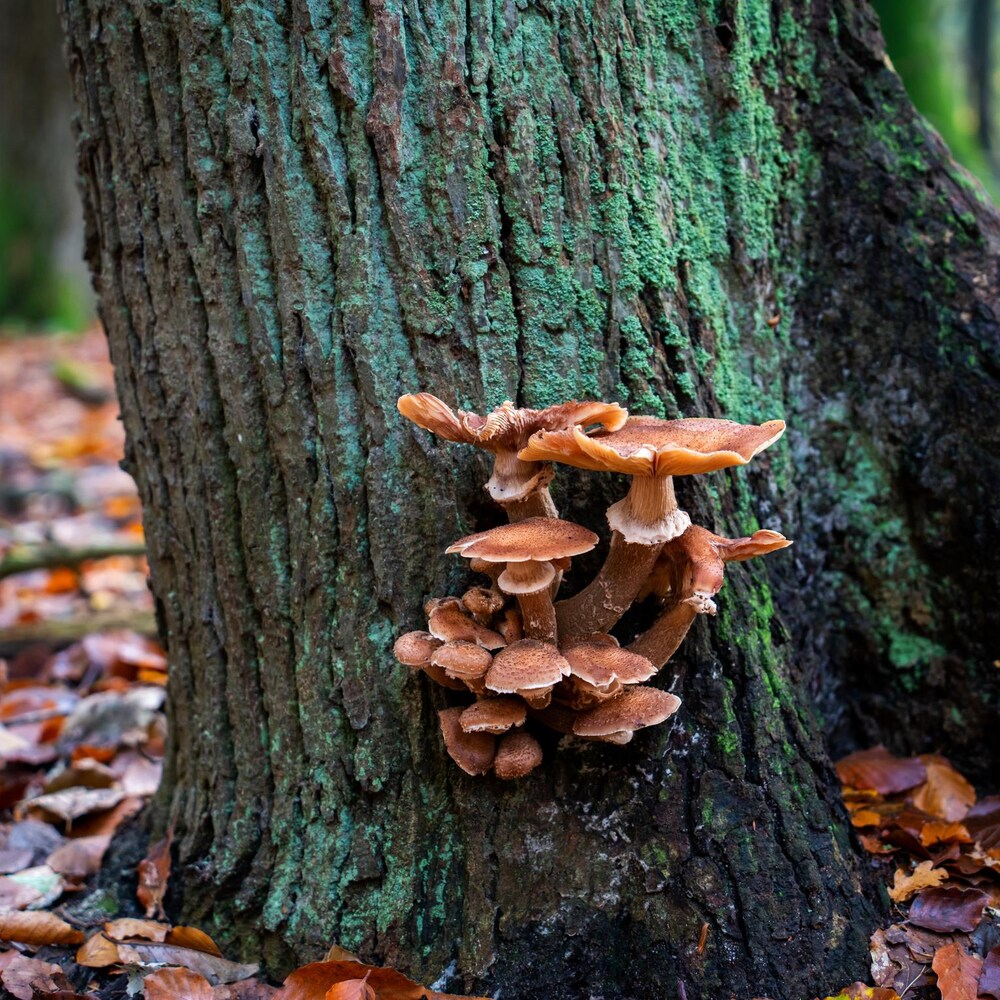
(462, 660)
(635, 708)
(448, 621)
(521, 487)
(415, 649)
(601, 664)
(527, 549)
(529, 668)
(494, 715)
(473, 752)
(689, 573)
(517, 755)
(482, 603)
(652, 452)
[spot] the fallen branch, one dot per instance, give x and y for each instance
(51, 555)
(61, 632)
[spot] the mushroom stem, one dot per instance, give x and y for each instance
(521, 488)
(661, 640)
(649, 514)
(539, 615)
(608, 596)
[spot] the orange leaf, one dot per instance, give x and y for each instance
(191, 937)
(154, 873)
(37, 928)
(132, 927)
(80, 857)
(945, 793)
(176, 984)
(939, 833)
(97, 952)
(957, 972)
(924, 876)
(351, 989)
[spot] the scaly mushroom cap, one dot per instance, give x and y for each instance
(473, 752)
(448, 621)
(517, 755)
(415, 649)
(508, 427)
(601, 665)
(647, 446)
(526, 666)
(494, 715)
(634, 708)
(462, 660)
(538, 539)
(527, 548)
(482, 603)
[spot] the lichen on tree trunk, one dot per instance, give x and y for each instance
(299, 211)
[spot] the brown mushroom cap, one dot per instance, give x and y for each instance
(415, 649)
(517, 755)
(647, 446)
(581, 695)
(758, 544)
(448, 621)
(538, 539)
(601, 664)
(526, 666)
(462, 660)
(473, 752)
(507, 427)
(482, 602)
(494, 715)
(634, 708)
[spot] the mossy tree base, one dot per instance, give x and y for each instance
(299, 211)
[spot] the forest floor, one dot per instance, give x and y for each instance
(83, 727)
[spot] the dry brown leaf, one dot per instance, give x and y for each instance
(15, 861)
(859, 991)
(880, 770)
(176, 984)
(72, 803)
(214, 969)
(989, 979)
(957, 972)
(103, 823)
(248, 989)
(924, 876)
(351, 989)
(80, 857)
(132, 927)
(191, 937)
(97, 952)
(338, 954)
(938, 832)
(945, 793)
(37, 928)
(20, 976)
(154, 873)
(946, 910)
(312, 982)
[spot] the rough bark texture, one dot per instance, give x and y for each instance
(298, 211)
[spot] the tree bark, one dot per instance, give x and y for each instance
(299, 211)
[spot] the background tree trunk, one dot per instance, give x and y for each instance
(299, 211)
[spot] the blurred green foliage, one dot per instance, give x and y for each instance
(928, 43)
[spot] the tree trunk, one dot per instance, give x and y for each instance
(299, 211)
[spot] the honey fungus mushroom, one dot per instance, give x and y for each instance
(688, 574)
(652, 452)
(528, 668)
(635, 708)
(527, 550)
(521, 487)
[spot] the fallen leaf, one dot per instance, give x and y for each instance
(105, 823)
(351, 989)
(37, 928)
(97, 952)
(313, 981)
(338, 954)
(858, 991)
(989, 980)
(80, 857)
(214, 969)
(191, 937)
(924, 876)
(72, 803)
(248, 989)
(880, 770)
(85, 774)
(957, 972)
(945, 910)
(937, 833)
(945, 793)
(983, 821)
(14, 861)
(154, 873)
(20, 976)
(176, 984)
(132, 927)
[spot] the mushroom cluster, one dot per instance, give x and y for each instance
(523, 654)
